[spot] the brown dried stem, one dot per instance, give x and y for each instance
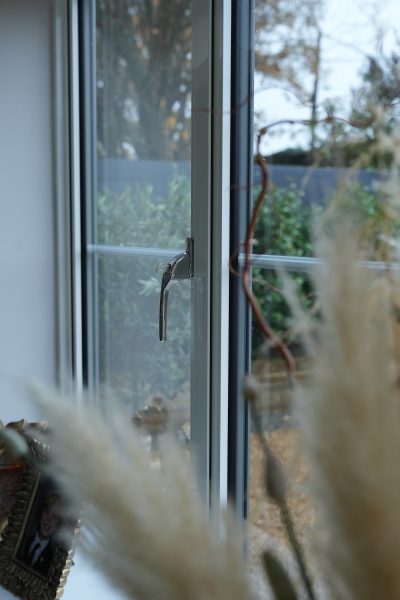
(276, 489)
(246, 282)
(275, 485)
(266, 329)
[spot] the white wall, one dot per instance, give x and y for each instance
(27, 264)
(28, 329)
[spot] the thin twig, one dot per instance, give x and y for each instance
(246, 283)
(275, 486)
(287, 522)
(276, 340)
(279, 497)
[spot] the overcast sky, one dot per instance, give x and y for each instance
(350, 30)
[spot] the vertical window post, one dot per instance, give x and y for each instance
(241, 192)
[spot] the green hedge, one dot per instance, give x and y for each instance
(131, 357)
(133, 363)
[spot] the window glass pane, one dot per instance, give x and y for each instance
(133, 363)
(143, 101)
(141, 210)
(327, 91)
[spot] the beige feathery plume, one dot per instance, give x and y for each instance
(145, 527)
(352, 426)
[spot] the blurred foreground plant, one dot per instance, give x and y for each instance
(354, 349)
(151, 519)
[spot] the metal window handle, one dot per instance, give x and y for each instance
(181, 267)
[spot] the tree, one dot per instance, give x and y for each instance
(287, 36)
(378, 98)
(143, 62)
(375, 108)
(144, 69)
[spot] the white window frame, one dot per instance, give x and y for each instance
(67, 196)
(211, 187)
(210, 230)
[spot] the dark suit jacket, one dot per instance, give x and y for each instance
(44, 559)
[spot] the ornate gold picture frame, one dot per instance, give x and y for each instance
(38, 539)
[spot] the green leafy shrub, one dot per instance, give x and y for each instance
(129, 291)
(129, 287)
(286, 228)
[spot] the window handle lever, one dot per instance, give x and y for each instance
(181, 267)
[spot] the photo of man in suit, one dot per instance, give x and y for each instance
(40, 545)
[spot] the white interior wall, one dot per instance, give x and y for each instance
(27, 263)
(28, 329)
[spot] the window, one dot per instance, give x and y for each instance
(168, 140)
(145, 121)
(155, 155)
(322, 74)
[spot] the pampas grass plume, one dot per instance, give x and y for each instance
(145, 527)
(350, 412)
(150, 521)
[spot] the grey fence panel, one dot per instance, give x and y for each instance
(117, 174)
(317, 183)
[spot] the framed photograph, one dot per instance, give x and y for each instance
(37, 544)
(11, 470)
(10, 479)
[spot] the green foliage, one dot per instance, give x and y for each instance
(284, 224)
(371, 214)
(286, 228)
(129, 289)
(138, 218)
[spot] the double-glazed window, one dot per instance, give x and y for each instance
(171, 93)
(156, 99)
(326, 88)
